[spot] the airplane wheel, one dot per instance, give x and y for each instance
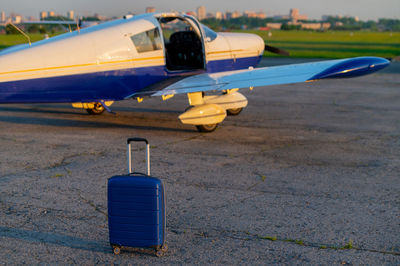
(207, 128)
(234, 112)
(97, 110)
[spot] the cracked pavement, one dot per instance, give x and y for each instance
(306, 174)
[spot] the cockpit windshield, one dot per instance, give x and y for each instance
(212, 35)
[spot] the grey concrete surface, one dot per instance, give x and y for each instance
(306, 174)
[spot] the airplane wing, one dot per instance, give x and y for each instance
(343, 68)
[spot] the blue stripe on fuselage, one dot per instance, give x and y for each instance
(232, 64)
(108, 85)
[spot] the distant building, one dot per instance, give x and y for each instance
(43, 15)
(219, 15)
(52, 14)
(150, 9)
(294, 15)
(3, 16)
(312, 26)
(274, 26)
(17, 19)
(316, 26)
(71, 14)
(249, 14)
(252, 14)
(261, 15)
(201, 12)
(236, 14)
(338, 24)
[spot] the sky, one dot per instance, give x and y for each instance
(364, 9)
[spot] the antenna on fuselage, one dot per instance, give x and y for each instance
(22, 32)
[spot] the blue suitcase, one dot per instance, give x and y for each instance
(136, 209)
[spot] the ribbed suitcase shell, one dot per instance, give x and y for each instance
(136, 211)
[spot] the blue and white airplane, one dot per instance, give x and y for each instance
(159, 54)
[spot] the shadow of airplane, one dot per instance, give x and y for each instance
(64, 122)
(63, 109)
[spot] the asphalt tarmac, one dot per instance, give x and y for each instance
(306, 174)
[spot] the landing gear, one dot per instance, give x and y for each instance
(206, 112)
(207, 128)
(96, 110)
(233, 112)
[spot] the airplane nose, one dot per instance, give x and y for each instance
(260, 44)
(245, 42)
(255, 43)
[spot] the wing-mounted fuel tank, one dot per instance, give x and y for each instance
(232, 101)
(206, 112)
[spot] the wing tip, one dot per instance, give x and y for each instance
(353, 67)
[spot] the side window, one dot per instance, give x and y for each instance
(147, 41)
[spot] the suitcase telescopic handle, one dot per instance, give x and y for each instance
(130, 153)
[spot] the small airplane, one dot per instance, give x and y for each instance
(157, 54)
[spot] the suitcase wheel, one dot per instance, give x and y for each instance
(164, 248)
(159, 253)
(116, 250)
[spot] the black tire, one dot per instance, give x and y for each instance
(207, 128)
(233, 112)
(97, 110)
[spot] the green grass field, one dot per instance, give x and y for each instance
(306, 44)
(334, 44)
(10, 40)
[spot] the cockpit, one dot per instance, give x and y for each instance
(183, 43)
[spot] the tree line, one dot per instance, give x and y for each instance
(345, 23)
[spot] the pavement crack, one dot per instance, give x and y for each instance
(172, 142)
(248, 236)
(63, 162)
(97, 208)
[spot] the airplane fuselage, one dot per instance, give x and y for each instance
(103, 63)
